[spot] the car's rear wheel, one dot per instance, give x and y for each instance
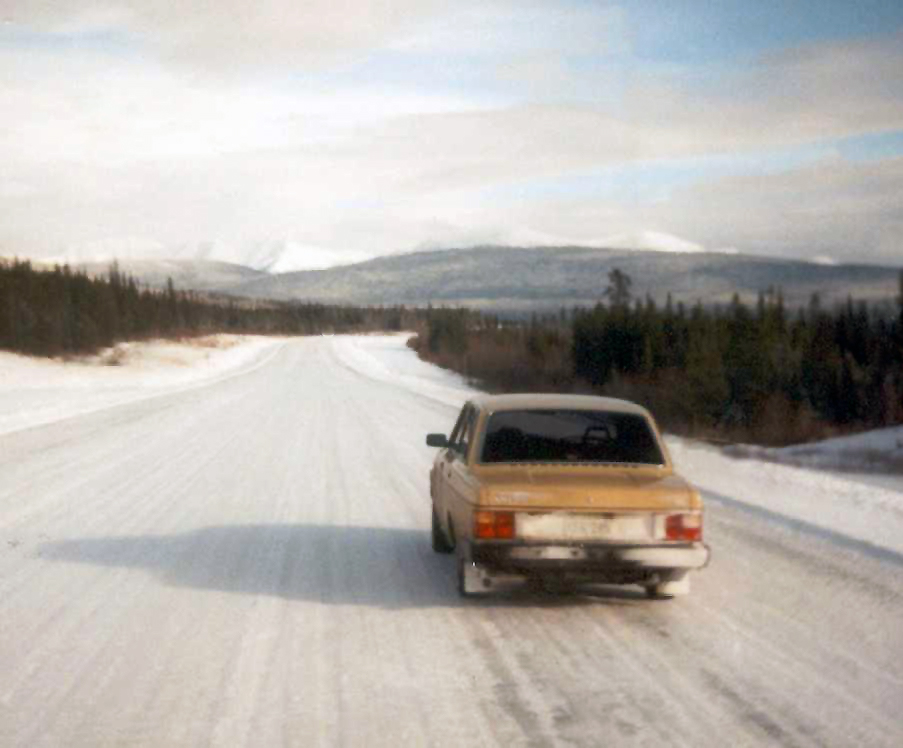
(440, 542)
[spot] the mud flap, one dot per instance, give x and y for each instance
(470, 576)
(675, 584)
(474, 579)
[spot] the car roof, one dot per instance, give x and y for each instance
(540, 401)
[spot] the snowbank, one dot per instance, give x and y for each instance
(847, 504)
(35, 391)
(387, 358)
(881, 449)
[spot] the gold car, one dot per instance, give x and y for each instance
(563, 488)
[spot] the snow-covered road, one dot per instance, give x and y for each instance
(248, 564)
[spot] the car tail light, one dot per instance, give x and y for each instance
(493, 525)
(683, 527)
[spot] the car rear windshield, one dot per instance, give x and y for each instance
(566, 436)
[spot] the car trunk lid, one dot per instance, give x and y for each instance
(586, 489)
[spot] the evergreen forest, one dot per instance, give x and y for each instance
(64, 312)
(762, 373)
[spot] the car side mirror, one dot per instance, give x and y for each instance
(436, 440)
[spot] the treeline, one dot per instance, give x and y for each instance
(761, 373)
(500, 355)
(64, 311)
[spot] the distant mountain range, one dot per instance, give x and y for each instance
(523, 279)
(270, 256)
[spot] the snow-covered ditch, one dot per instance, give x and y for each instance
(853, 505)
(36, 391)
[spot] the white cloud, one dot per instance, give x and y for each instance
(851, 212)
(152, 142)
(518, 28)
(102, 110)
(232, 33)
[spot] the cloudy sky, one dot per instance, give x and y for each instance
(361, 128)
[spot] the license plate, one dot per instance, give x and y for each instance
(581, 527)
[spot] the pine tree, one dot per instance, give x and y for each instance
(618, 290)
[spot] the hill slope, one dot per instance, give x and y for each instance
(508, 278)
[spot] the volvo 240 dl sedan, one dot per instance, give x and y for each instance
(563, 488)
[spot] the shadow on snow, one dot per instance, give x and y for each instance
(376, 566)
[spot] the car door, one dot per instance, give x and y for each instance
(443, 463)
(459, 483)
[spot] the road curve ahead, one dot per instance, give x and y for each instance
(248, 564)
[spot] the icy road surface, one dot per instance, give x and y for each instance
(248, 564)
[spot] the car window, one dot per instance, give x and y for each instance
(458, 430)
(463, 433)
(470, 429)
(570, 436)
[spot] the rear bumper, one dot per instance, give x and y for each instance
(594, 560)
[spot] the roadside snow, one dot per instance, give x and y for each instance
(867, 510)
(840, 503)
(387, 358)
(879, 450)
(36, 391)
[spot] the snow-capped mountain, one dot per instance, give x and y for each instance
(654, 241)
(492, 277)
(287, 255)
(271, 256)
